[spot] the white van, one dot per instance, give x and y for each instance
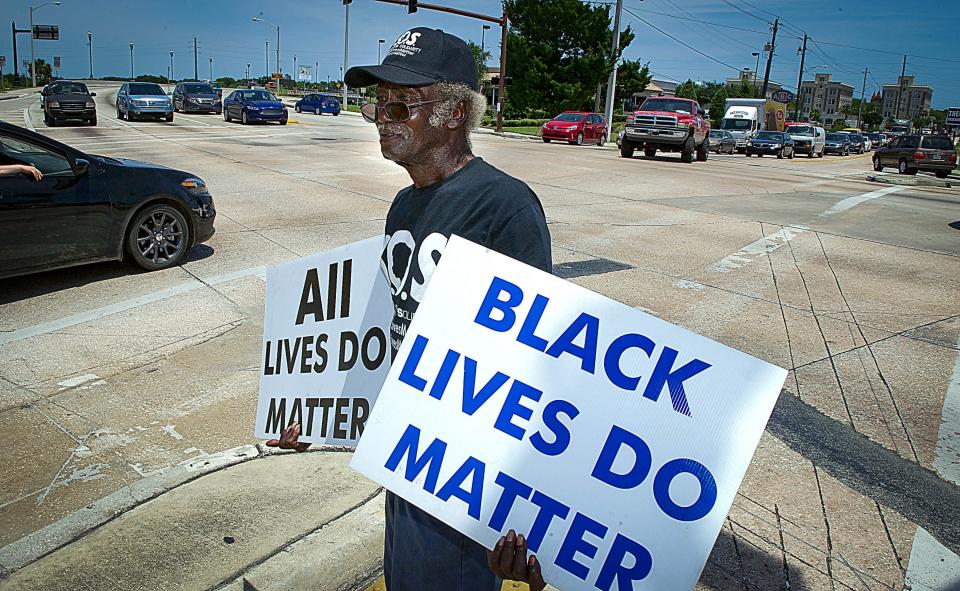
(807, 139)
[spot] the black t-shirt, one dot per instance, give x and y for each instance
(486, 206)
(479, 203)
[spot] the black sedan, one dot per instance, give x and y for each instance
(857, 143)
(254, 105)
(89, 208)
(770, 142)
(837, 143)
(722, 141)
(199, 97)
(63, 100)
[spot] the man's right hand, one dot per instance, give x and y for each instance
(508, 560)
(288, 439)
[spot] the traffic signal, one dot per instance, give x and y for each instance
(495, 80)
(411, 6)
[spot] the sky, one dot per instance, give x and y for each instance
(313, 31)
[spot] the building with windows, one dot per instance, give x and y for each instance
(655, 88)
(750, 77)
(913, 98)
(824, 95)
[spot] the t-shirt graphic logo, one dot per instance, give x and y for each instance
(409, 266)
(406, 45)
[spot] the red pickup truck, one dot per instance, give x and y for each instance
(668, 124)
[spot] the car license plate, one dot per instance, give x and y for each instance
(936, 157)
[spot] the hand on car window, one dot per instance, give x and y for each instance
(15, 169)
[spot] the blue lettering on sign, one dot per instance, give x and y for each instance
(603, 470)
(708, 489)
(499, 312)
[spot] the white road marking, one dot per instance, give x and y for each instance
(203, 123)
(755, 249)
(933, 567)
(851, 202)
(122, 306)
(26, 119)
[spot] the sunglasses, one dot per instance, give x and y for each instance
(393, 111)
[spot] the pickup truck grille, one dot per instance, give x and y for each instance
(656, 120)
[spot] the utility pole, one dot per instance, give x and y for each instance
(295, 75)
(612, 83)
(266, 59)
(196, 69)
(903, 71)
(211, 69)
(863, 91)
(773, 48)
(90, 43)
(803, 55)
(171, 68)
(132, 77)
(346, 46)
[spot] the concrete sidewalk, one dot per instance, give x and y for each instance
(247, 520)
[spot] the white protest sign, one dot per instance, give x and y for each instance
(613, 440)
(325, 348)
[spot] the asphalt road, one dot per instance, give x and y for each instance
(109, 374)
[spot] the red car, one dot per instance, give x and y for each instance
(575, 127)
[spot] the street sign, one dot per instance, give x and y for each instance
(783, 96)
(953, 116)
(56, 61)
(26, 64)
(276, 75)
(51, 32)
(3, 60)
(304, 73)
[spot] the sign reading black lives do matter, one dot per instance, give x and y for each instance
(325, 344)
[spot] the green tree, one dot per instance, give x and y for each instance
(43, 70)
(921, 120)
(555, 66)
(742, 90)
(632, 77)
(872, 115)
(481, 56)
(816, 116)
(687, 90)
(717, 106)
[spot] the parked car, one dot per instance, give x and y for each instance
(669, 124)
(575, 127)
(317, 104)
(198, 97)
(722, 141)
(217, 89)
(856, 143)
(771, 142)
(911, 153)
(143, 99)
(63, 100)
(878, 139)
(837, 143)
(254, 105)
(90, 208)
(867, 142)
(807, 139)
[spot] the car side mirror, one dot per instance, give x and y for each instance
(93, 94)
(83, 165)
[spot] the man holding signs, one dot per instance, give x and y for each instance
(427, 104)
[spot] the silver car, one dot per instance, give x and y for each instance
(143, 99)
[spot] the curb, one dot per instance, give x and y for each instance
(911, 181)
(75, 526)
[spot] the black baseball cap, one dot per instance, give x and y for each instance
(420, 57)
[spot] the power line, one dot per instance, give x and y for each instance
(697, 20)
(746, 12)
(690, 47)
(713, 27)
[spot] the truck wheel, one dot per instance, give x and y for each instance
(876, 164)
(810, 153)
(703, 150)
(686, 154)
(626, 148)
(780, 154)
(649, 152)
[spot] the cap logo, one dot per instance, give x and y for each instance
(406, 45)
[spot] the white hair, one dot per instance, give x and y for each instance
(449, 96)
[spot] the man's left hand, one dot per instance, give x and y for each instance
(508, 560)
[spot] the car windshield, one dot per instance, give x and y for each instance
(197, 88)
(257, 95)
(568, 117)
(716, 134)
(147, 89)
(672, 105)
(836, 137)
(937, 143)
(68, 88)
(770, 135)
(736, 124)
(800, 129)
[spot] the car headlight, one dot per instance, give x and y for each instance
(544, 125)
(54, 104)
(90, 104)
(195, 186)
(253, 108)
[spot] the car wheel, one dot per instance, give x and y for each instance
(942, 174)
(337, 113)
(703, 150)
(296, 108)
(792, 154)
(546, 140)
(169, 117)
(283, 122)
(626, 148)
(579, 140)
(243, 118)
(780, 154)
(649, 152)
(226, 115)
(158, 237)
(902, 166)
(93, 122)
(820, 155)
(602, 139)
(316, 111)
(128, 115)
(810, 153)
(877, 166)
(687, 153)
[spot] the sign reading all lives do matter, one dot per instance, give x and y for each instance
(613, 440)
(325, 349)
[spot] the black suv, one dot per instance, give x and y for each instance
(196, 96)
(63, 100)
(910, 153)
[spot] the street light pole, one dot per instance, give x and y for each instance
(171, 68)
(33, 57)
(211, 68)
(346, 45)
(380, 43)
(612, 83)
(132, 77)
(482, 35)
(90, 43)
(266, 58)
